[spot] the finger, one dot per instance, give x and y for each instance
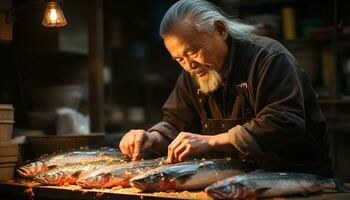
(185, 153)
(122, 145)
(176, 142)
(125, 144)
(179, 149)
(170, 158)
(131, 145)
(138, 140)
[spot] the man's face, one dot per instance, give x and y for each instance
(200, 53)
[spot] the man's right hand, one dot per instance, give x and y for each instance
(134, 142)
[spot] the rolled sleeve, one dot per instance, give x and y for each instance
(165, 129)
(241, 139)
(247, 145)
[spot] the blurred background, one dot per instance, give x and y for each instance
(107, 70)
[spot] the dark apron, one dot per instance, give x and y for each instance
(237, 76)
(220, 125)
(213, 126)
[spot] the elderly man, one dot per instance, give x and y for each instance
(238, 94)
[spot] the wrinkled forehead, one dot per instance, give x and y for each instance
(182, 36)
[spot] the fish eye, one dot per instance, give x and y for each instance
(148, 180)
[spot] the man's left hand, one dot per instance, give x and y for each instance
(187, 144)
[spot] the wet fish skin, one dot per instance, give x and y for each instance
(70, 173)
(189, 175)
(46, 162)
(119, 175)
(263, 184)
(31, 169)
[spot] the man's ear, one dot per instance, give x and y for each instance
(221, 28)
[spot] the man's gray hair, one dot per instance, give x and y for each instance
(204, 15)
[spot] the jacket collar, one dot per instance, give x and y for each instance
(229, 61)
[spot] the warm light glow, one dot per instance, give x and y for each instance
(53, 16)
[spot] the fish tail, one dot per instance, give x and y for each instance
(339, 185)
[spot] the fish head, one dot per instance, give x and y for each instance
(100, 180)
(227, 190)
(152, 182)
(56, 177)
(30, 170)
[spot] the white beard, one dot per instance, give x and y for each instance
(211, 84)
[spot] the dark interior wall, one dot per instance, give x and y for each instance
(142, 73)
(10, 87)
(42, 57)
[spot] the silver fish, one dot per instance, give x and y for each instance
(118, 175)
(70, 173)
(261, 184)
(195, 174)
(47, 162)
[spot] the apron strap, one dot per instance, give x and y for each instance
(203, 103)
(243, 97)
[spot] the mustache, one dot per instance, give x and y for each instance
(199, 69)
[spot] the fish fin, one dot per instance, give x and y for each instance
(76, 174)
(52, 166)
(339, 185)
(261, 190)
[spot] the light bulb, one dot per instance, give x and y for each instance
(53, 16)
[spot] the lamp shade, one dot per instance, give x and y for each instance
(53, 15)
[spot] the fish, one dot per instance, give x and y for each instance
(264, 184)
(50, 161)
(119, 175)
(70, 173)
(193, 174)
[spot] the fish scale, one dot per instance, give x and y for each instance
(262, 184)
(70, 173)
(195, 174)
(46, 162)
(118, 175)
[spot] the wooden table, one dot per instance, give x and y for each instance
(32, 190)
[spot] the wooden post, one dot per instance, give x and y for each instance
(5, 27)
(96, 95)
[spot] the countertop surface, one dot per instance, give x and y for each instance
(32, 190)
